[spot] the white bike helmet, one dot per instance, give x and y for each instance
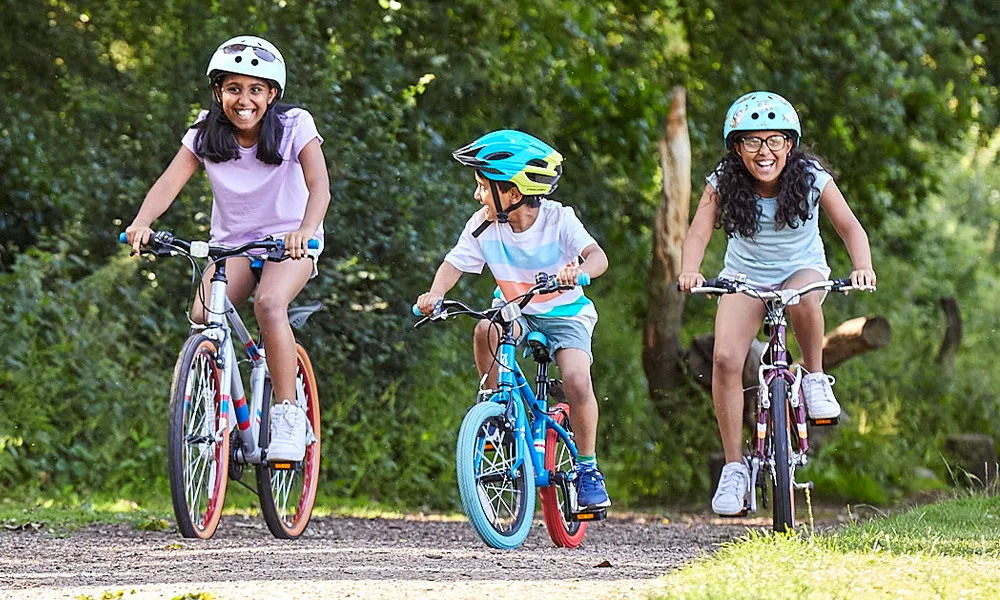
(249, 55)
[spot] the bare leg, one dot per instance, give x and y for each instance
(736, 324)
(240, 283)
(485, 341)
(807, 320)
(280, 283)
(574, 365)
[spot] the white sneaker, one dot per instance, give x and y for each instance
(818, 391)
(732, 491)
(288, 433)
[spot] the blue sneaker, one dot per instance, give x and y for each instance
(590, 492)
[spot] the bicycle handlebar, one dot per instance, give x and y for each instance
(164, 243)
(722, 286)
(548, 286)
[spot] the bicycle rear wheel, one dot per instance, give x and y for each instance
(287, 491)
(559, 459)
(198, 439)
(783, 495)
(498, 500)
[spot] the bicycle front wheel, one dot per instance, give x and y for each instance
(559, 460)
(198, 439)
(287, 491)
(783, 507)
(498, 499)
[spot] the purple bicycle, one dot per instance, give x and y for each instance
(780, 439)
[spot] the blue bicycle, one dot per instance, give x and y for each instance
(498, 468)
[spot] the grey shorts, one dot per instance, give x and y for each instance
(561, 332)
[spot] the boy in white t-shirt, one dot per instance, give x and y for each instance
(520, 233)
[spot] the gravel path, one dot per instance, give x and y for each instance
(350, 558)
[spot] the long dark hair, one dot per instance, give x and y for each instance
(737, 189)
(216, 139)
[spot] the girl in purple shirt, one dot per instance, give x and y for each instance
(268, 176)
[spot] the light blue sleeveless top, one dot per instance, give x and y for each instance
(774, 255)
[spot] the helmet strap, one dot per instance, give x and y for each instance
(501, 213)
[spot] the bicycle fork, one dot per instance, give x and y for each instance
(760, 457)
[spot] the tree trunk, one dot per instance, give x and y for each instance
(952, 333)
(661, 348)
(854, 337)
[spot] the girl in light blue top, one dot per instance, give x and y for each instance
(766, 194)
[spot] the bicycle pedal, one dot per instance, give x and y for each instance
(590, 515)
(824, 422)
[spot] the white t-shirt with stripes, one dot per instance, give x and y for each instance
(555, 239)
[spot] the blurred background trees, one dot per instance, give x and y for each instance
(900, 97)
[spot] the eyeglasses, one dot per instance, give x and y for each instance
(260, 52)
(774, 143)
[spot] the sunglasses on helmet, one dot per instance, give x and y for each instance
(260, 52)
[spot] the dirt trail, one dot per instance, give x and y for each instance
(350, 558)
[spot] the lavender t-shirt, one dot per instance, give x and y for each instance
(252, 199)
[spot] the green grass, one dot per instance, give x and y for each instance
(70, 512)
(947, 550)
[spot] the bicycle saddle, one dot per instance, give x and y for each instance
(538, 345)
(297, 315)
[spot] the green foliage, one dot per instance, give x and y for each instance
(947, 248)
(98, 94)
(76, 399)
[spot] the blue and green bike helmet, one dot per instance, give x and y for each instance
(530, 164)
(761, 111)
(509, 155)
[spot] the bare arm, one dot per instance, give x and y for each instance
(696, 240)
(595, 263)
(850, 230)
(318, 183)
(446, 277)
(161, 196)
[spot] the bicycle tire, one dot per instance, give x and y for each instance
(485, 440)
(558, 458)
(783, 495)
(276, 487)
(197, 479)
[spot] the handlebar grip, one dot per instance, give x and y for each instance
(312, 244)
(123, 238)
(583, 279)
(416, 311)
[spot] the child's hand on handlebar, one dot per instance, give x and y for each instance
(137, 236)
(863, 279)
(296, 243)
(426, 303)
(689, 280)
(567, 276)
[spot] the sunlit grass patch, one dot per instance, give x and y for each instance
(73, 513)
(965, 526)
(949, 550)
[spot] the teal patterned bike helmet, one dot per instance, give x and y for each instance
(761, 111)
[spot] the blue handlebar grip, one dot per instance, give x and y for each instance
(583, 279)
(416, 311)
(312, 244)
(123, 238)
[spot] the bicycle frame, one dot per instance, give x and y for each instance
(513, 390)
(223, 321)
(774, 364)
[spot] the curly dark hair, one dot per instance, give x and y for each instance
(737, 190)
